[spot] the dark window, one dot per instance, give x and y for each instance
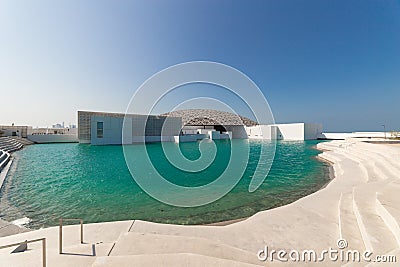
(220, 128)
(99, 129)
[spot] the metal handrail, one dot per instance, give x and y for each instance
(61, 233)
(31, 241)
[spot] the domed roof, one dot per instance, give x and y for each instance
(204, 117)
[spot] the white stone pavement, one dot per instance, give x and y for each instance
(361, 205)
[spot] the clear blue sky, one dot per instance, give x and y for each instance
(333, 62)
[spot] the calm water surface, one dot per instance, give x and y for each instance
(49, 181)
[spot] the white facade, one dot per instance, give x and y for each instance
(292, 131)
(237, 131)
(289, 131)
(112, 129)
(100, 128)
(268, 132)
(19, 131)
(107, 130)
(312, 131)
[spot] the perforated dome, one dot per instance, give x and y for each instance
(205, 117)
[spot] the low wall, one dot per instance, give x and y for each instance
(343, 136)
(53, 138)
(189, 138)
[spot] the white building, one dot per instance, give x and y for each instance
(100, 128)
(288, 131)
(53, 135)
(12, 130)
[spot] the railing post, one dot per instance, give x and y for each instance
(44, 262)
(81, 231)
(60, 245)
(26, 243)
(60, 238)
(44, 252)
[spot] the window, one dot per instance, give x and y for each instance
(99, 129)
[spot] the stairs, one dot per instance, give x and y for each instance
(376, 234)
(21, 140)
(4, 159)
(170, 244)
(175, 259)
(9, 144)
(350, 230)
(370, 213)
(388, 207)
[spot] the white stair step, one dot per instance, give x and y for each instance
(176, 260)
(88, 249)
(335, 161)
(376, 235)
(329, 145)
(393, 157)
(329, 156)
(143, 243)
(365, 169)
(391, 218)
(389, 195)
(388, 207)
(346, 164)
(381, 163)
(374, 172)
(350, 230)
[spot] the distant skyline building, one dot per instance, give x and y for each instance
(58, 126)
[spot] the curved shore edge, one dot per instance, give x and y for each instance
(7, 228)
(331, 177)
(360, 205)
(9, 145)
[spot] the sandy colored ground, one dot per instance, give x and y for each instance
(393, 144)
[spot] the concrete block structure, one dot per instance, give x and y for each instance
(53, 135)
(18, 131)
(99, 128)
(289, 131)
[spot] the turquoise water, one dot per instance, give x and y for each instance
(50, 181)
